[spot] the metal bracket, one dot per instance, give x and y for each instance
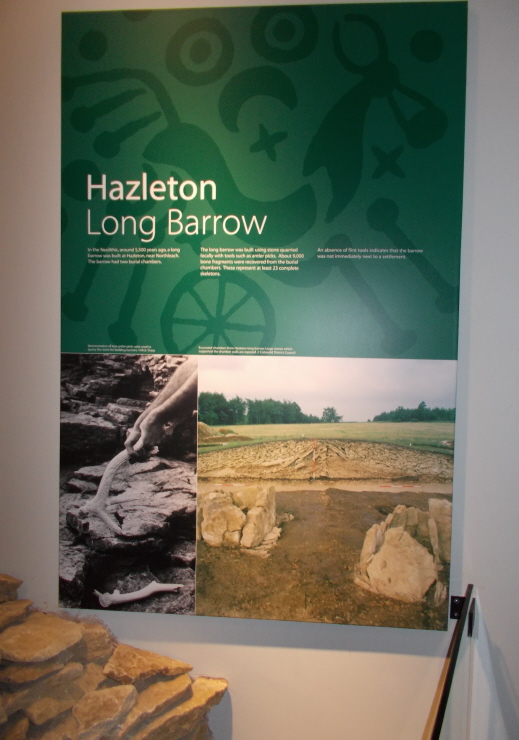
(456, 606)
(471, 618)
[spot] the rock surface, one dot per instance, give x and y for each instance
(99, 713)
(40, 637)
(9, 587)
(337, 460)
(104, 690)
(402, 557)
(153, 502)
(176, 723)
(128, 665)
(402, 568)
(239, 516)
(10, 611)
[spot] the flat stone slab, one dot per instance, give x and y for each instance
(15, 676)
(183, 719)
(147, 499)
(156, 699)
(9, 586)
(10, 611)
(128, 665)
(99, 643)
(55, 703)
(40, 637)
(99, 713)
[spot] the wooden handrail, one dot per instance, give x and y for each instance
(436, 715)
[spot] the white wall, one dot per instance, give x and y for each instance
(287, 680)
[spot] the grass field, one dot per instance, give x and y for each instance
(421, 435)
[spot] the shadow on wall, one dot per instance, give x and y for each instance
(495, 712)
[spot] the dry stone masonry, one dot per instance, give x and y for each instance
(403, 557)
(153, 500)
(64, 679)
(239, 516)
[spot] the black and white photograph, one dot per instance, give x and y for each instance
(128, 482)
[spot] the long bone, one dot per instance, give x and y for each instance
(117, 597)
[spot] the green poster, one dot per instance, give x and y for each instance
(254, 193)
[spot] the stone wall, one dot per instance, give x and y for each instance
(405, 556)
(241, 516)
(67, 679)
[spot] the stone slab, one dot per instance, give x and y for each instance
(41, 637)
(184, 719)
(11, 611)
(14, 676)
(99, 713)
(154, 700)
(9, 586)
(99, 642)
(128, 665)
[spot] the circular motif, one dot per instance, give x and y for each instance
(227, 311)
(284, 34)
(93, 45)
(200, 52)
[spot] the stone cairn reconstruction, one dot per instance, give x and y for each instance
(403, 557)
(241, 516)
(66, 679)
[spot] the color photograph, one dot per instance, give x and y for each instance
(325, 489)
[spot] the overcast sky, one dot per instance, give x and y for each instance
(357, 388)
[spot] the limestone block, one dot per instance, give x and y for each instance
(9, 586)
(411, 522)
(218, 516)
(433, 536)
(99, 643)
(24, 697)
(399, 518)
(10, 611)
(184, 718)
(100, 712)
(40, 637)
(259, 523)
(231, 539)
(67, 729)
(85, 437)
(15, 729)
(128, 664)
(54, 703)
(422, 529)
(441, 511)
(14, 675)
(92, 677)
(372, 543)
(154, 700)
(272, 537)
(202, 732)
(267, 499)
(245, 497)
(402, 569)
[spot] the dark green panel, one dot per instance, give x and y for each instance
(343, 125)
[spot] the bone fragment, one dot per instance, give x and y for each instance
(117, 597)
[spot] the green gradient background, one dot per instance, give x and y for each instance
(324, 310)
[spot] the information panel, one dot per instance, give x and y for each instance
(261, 227)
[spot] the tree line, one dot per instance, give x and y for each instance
(215, 410)
(420, 413)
